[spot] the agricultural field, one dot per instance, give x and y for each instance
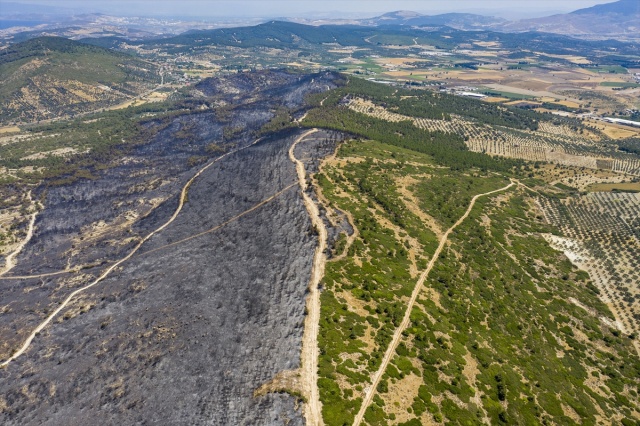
(556, 142)
(561, 82)
(599, 232)
(615, 187)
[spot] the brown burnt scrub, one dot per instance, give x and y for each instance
(180, 333)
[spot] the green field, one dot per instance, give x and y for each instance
(611, 69)
(510, 95)
(619, 84)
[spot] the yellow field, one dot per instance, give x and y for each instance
(533, 84)
(569, 104)
(157, 97)
(9, 129)
(487, 43)
(495, 99)
(566, 103)
(608, 187)
(520, 91)
(581, 60)
(516, 103)
(135, 102)
(152, 97)
(479, 75)
(615, 131)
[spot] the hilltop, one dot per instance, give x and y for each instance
(617, 19)
(48, 77)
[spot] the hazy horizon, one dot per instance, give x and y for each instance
(204, 9)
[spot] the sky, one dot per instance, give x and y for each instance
(307, 8)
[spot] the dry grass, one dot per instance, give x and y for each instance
(615, 131)
(60, 152)
(487, 43)
(569, 104)
(135, 102)
(484, 75)
(516, 103)
(401, 73)
(533, 84)
(520, 91)
(608, 187)
(9, 129)
(580, 60)
(494, 99)
(400, 396)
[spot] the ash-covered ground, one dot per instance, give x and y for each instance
(200, 316)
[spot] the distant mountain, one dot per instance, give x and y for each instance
(312, 40)
(617, 19)
(50, 76)
(623, 7)
(462, 21)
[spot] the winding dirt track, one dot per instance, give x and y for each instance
(309, 356)
(405, 321)
(48, 274)
(183, 196)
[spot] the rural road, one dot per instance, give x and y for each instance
(309, 356)
(407, 316)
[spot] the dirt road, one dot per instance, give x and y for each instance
(105, 274)
(309, 357)
(407, 316)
